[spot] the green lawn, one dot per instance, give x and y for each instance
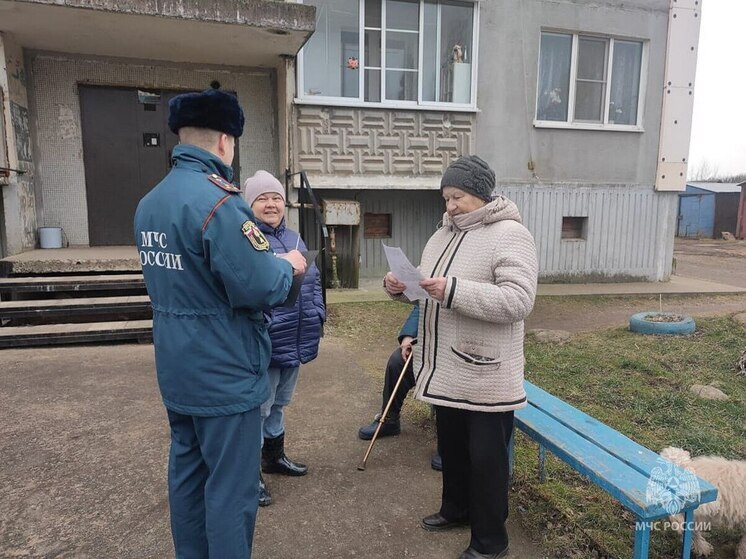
(636, 384)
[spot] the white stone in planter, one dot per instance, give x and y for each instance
(708, 392)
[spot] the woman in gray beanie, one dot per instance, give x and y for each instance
(481, 272)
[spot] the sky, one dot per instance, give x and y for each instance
(719, 119)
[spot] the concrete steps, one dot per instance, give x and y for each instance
(49, 310)
(61, 334)
(61, 284)
(55, 310)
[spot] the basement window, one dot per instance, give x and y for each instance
(377, 226)
(574, 228)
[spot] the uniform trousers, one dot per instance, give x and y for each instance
(474, 449)
(213, 484)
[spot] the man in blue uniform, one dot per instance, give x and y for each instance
(210, 274)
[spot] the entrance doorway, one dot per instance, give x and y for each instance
(127, 149)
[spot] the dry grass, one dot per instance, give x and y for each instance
(636, 384)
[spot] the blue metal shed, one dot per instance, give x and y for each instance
(706, 209)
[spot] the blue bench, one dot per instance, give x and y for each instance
(617, 464)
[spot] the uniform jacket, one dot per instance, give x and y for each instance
(295, 331)
(470, 352)
(209, 273)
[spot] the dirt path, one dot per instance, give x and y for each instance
(712, 260)
(586, 314)
(84, 443)
(338, 512)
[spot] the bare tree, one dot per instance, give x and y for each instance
(704, 172)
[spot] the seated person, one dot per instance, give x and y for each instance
(392, 426)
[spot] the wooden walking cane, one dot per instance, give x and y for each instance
(381, 419)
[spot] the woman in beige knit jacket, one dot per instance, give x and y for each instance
(481, 275)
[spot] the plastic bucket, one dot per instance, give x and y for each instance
(50, 237)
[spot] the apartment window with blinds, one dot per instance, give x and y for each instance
(391, 53)
(587, 81)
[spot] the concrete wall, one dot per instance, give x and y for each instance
(260, 13)
(510, 33)
(57, 129)
(18, 206)
(606, 176)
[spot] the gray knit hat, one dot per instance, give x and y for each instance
(261, 183)
(471, 174)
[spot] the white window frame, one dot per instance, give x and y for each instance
(570, 123)
(419, 104)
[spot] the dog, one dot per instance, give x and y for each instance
(458, 53)
(729, 509)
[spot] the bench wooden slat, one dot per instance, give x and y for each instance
(625, 484)
(613, 442)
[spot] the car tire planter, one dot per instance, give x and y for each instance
(671, 324)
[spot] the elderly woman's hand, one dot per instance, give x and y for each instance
(392, 285)
(435, 287)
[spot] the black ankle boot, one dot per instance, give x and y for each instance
(274, 460)
(265, 497)
(390, 428)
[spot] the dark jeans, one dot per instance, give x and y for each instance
(474, 449)
(393, 370)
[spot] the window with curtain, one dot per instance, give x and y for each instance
(399, 52)
(335, 43)
(589, 80)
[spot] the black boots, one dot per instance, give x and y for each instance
(390, 428)
(265, 497)
(274, 460)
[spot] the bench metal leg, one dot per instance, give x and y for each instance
(642, 539)
(686, 548)
(542, 458)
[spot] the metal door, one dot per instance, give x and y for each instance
(693, 220)
(124, 158)
(127, 150)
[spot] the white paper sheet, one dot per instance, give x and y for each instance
(405, 272)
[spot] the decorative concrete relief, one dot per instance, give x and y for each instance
(346, 141)
(16, 79)
(27, 203)
(17, 71)
(19, 118)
